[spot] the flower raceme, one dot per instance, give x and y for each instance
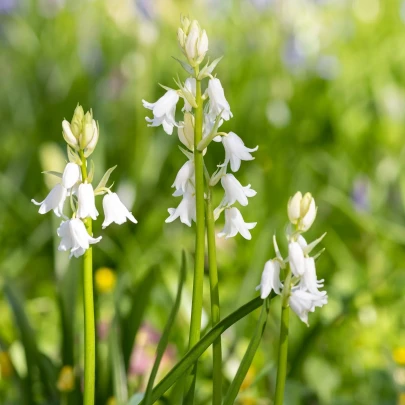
(303, 289)
(194, 43)
(81, 135)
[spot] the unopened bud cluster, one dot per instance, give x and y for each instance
(194, 43)
(301, 283)
(81, 136)
(82, 132)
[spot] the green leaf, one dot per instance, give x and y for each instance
(120, 384)
(185, 66)
(164, 340)
(34, 359)
(197, 350)
(105, 178)
(57, 174)
(248, 357)
(130, 323)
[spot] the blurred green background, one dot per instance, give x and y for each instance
(317, 84)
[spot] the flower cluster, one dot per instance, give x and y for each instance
(81, 135)
(301, 284)
(194, 44)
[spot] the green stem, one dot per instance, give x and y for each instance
(215, 309)
(88, 306)
(283, 342)
(197, 300)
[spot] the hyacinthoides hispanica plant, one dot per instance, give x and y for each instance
(81, 136)
(300, 288)
(204, 112)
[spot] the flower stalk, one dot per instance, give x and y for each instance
(88, 307)
(283, 342)
(215, 308)
(198, 280)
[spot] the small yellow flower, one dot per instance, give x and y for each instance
(248, 379)
(399, 355)
(66, 380)
(111, 401)
(401, 398)
(105, 280)
(6, 368)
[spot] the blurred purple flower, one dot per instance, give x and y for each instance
(293, 53)
(360, 194)
(327, 67)
(6, 6)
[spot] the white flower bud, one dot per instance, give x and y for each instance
(186, 131)
(68, 135)
(309, 217)
(294, 207)
(77, 121)
(94, 140)
(202, 46)
(191, 41)
(181, 36)
(87, 130)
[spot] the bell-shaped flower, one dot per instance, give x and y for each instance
(296, 258)
(115, 211)
(234, 191)
(71, 175)
(86, 202)
(218, 103)
(190, 86)
(185, 174)
(270, 279)
(53, 201)
(309, 281)
(302, 302)
(235, 151)
(186, 210)
(235, 224)
(75, 237)
(163, 111)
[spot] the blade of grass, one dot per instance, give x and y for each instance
(248, 357)
(198, 349)
(164, 340)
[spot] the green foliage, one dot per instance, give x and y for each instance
(320, 90)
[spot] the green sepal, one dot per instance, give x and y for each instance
(188, 68)
(73, 156)
(57, 174)
(208, 69)
(104, 179)
(90, 175)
